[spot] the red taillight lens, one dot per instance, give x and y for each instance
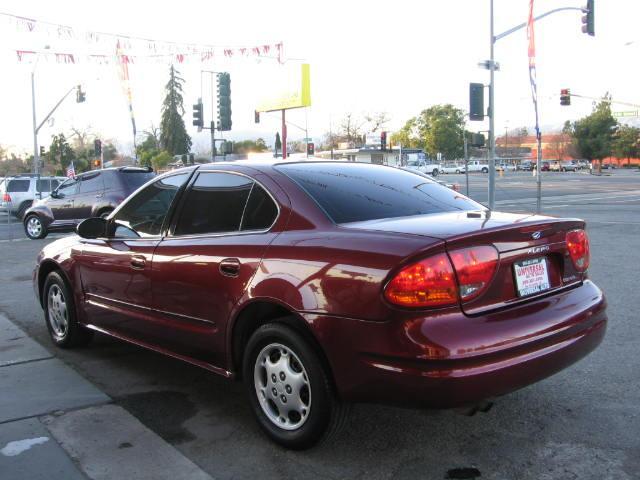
(578, 246)
(6, 197)
(427, 283)
(475, 267)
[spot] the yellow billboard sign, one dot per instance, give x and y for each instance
(291, 88)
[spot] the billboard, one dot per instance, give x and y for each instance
(290, 88)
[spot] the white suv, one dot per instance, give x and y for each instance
(17, 193)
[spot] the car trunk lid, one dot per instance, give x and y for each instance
(523, 242)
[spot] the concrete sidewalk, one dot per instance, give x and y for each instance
(56, 424)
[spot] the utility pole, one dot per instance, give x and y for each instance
(466, 162)
(492, 67)
(36, 156)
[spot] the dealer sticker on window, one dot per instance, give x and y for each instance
(531, 276)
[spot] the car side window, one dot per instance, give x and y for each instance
(54, 184)
(43, 185)
(16, 186)
(261, 211)
(69, 187)
(91, 182)
(214, 204)
(144, 214)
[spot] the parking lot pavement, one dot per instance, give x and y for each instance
(581, 423)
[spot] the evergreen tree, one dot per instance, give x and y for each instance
(173, 134)
(278, 144)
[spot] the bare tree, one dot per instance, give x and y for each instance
(81, 137)
(376, 120)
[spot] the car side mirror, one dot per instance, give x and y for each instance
(94, 227)
(55, 194)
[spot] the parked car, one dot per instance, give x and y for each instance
(545, 166)
(323, 283)
(19, 192)
(432, 169)
(568, 167)
(94, 193)
(526, 166)
(554, 166)
(452, 168)
(478, 166)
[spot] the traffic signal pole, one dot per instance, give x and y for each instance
(491, 113)
(284, 135)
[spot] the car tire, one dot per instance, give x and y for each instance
(434, 172)
(280, 366)
(34, 228)
(24, 206)
(60, 314)
(485, 170)
(458, 171)
(563, 170)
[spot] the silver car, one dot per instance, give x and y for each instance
(17, 193)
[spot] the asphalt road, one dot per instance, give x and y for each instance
(581, 423)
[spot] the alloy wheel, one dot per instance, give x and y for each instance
(57, 312)
(34, 227)
(282, 386)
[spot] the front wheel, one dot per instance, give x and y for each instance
(289, 390)
(60, 314)
(34, 228)
(435, 172)
(485, 170)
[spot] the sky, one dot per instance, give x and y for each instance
(366, 56)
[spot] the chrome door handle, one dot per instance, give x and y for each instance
(229, 267)
(138, 262)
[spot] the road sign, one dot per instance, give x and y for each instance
(627, 113)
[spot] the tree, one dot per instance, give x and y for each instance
(594, 134)
(161, 160)
(627, 143)
(248, 146)
(61, 154)
(376, 121)
(278, 144)
(173, 134)
(148, 149)
(409, 135)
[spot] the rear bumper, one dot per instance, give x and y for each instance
(451, 360)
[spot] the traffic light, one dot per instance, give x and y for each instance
(97, 147)
(198, 120)
(588, 20)
(41, 151)
(383, 140)
(311, 148)
(80, 95)
(565, 96)
(257, 116)
(96, 163)
(477, 140)
(224, 102)
(476, 101)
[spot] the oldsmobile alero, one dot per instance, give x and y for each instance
(325, 283)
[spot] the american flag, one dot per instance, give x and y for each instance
(71, 171)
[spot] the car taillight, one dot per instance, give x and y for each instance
(578, 246)
(6, 197)
(474, 267)
(427, 283)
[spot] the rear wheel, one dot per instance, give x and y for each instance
(34, 228)
(289, 390)
(435, 172)
(485, 170)
(60, 314)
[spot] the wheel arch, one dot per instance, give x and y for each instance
(260, 312)
(46, 267)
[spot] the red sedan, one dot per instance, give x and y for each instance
(323, 283)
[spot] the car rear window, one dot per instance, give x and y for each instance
(15, 186)
(355, 192)
(132, 179)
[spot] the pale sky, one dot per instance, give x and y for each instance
(399, 57)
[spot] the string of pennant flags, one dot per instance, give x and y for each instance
(139, 49)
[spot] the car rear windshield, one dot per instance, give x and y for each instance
(132, 179)
(355, 192)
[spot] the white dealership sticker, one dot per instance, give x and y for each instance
(531, 276)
